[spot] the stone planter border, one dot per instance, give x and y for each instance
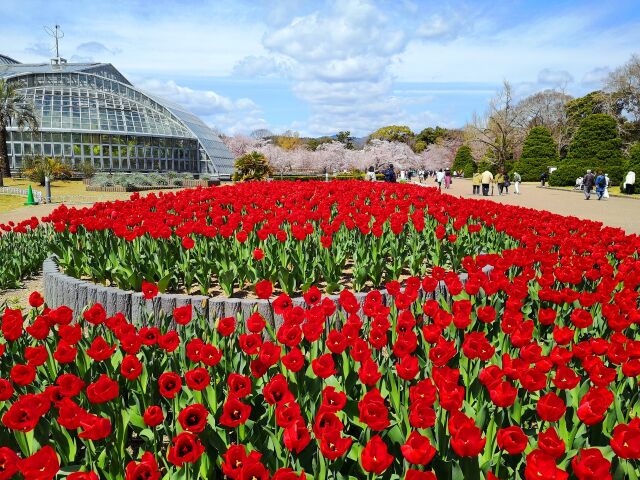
(61, 289)
(187, 183)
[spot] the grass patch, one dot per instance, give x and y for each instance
(67, 188)
(11, 202)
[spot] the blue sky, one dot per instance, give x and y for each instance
(318, 67)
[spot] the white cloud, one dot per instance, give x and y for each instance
(572, 41)
(441, 27)
(548, 76)
(200, 102)
(41, 49)
(96, 48)
(340, 60)
(262, 66)
(347, 29)
(596, 76)
(220, 112)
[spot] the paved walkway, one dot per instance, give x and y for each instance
(23, 213)
(616, 211)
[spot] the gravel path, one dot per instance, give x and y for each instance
(619, 212)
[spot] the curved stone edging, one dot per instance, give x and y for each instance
(61, 289)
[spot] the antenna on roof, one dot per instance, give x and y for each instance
(57, 34)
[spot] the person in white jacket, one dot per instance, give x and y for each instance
(439, 178)
(629, 183)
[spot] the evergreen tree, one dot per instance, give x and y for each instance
(464, 161)
(597, 146)
(634, 158)
(538, 152)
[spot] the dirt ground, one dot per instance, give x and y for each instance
(20, 297)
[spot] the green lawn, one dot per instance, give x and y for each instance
(11, 202)
(65, 188)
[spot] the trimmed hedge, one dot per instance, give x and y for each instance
(566, 174)
(538, 153)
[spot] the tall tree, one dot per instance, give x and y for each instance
(547, 109)
(464, 161)
(623, 85)
(634, 158)
(345, 138)
(430, 135)
(582, 107)
(499, 130)
(393, 133)
(289, 140)
(14, 110)
(597, 145)
(538, 153)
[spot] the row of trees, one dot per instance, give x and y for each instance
(337, 156)
(599, 131)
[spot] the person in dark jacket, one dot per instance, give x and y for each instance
(601, 185)
(389, 174)
(543, 178)
(588, 182)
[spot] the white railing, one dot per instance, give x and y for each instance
(37, 196)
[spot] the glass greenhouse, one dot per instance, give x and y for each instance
(89, 112)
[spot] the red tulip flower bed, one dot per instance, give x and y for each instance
(293, 234)
(527, 371)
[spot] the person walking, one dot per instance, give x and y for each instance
(440, 178)
(601, 184)
(476, 182)
(543, 178)
(486, 179)
(389, 174)
(629, 183)
(606, 186)
(500, 181)
(516, 183)
(371, 174)
(447, 178)
(588, 182)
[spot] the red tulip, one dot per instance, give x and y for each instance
(418, 449)
(375, 457)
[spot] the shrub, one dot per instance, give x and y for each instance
(102, 180)
(539, 152)
(565, 175)
(252, 166)
(634, 158)
(37, 168)
(87, 169)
